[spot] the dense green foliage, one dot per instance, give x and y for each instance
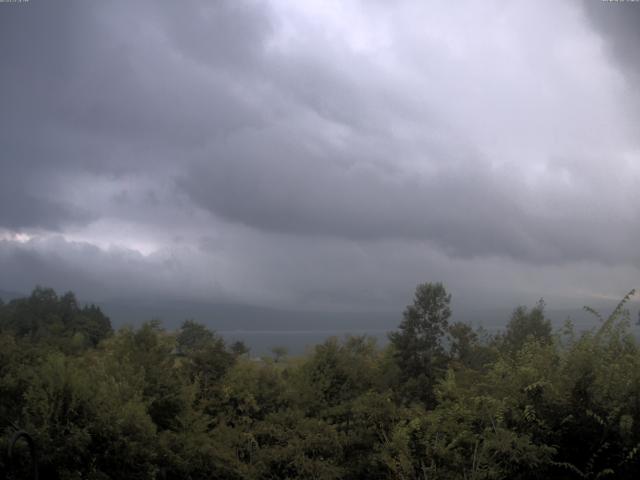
(442, 401)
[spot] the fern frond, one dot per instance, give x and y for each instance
(615, 314)
(605, 472)
(594, 312)
(569, 466)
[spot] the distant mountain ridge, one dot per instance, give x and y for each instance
(7, 295)
(238, 317)
(243, 317)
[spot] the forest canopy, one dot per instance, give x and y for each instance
(441, 401)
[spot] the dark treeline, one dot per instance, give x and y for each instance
(441, 401)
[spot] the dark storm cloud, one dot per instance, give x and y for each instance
(19, 211)
(24, 266)
(102, 88)
(294, 180)
(72, 266)
(226, 35)
(466, 211)
(619, 24)
(288, 190)
(310, 143)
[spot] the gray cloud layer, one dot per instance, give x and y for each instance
(319, 153)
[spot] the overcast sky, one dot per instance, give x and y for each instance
(321, 154)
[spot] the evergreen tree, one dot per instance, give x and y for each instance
(417, 345)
